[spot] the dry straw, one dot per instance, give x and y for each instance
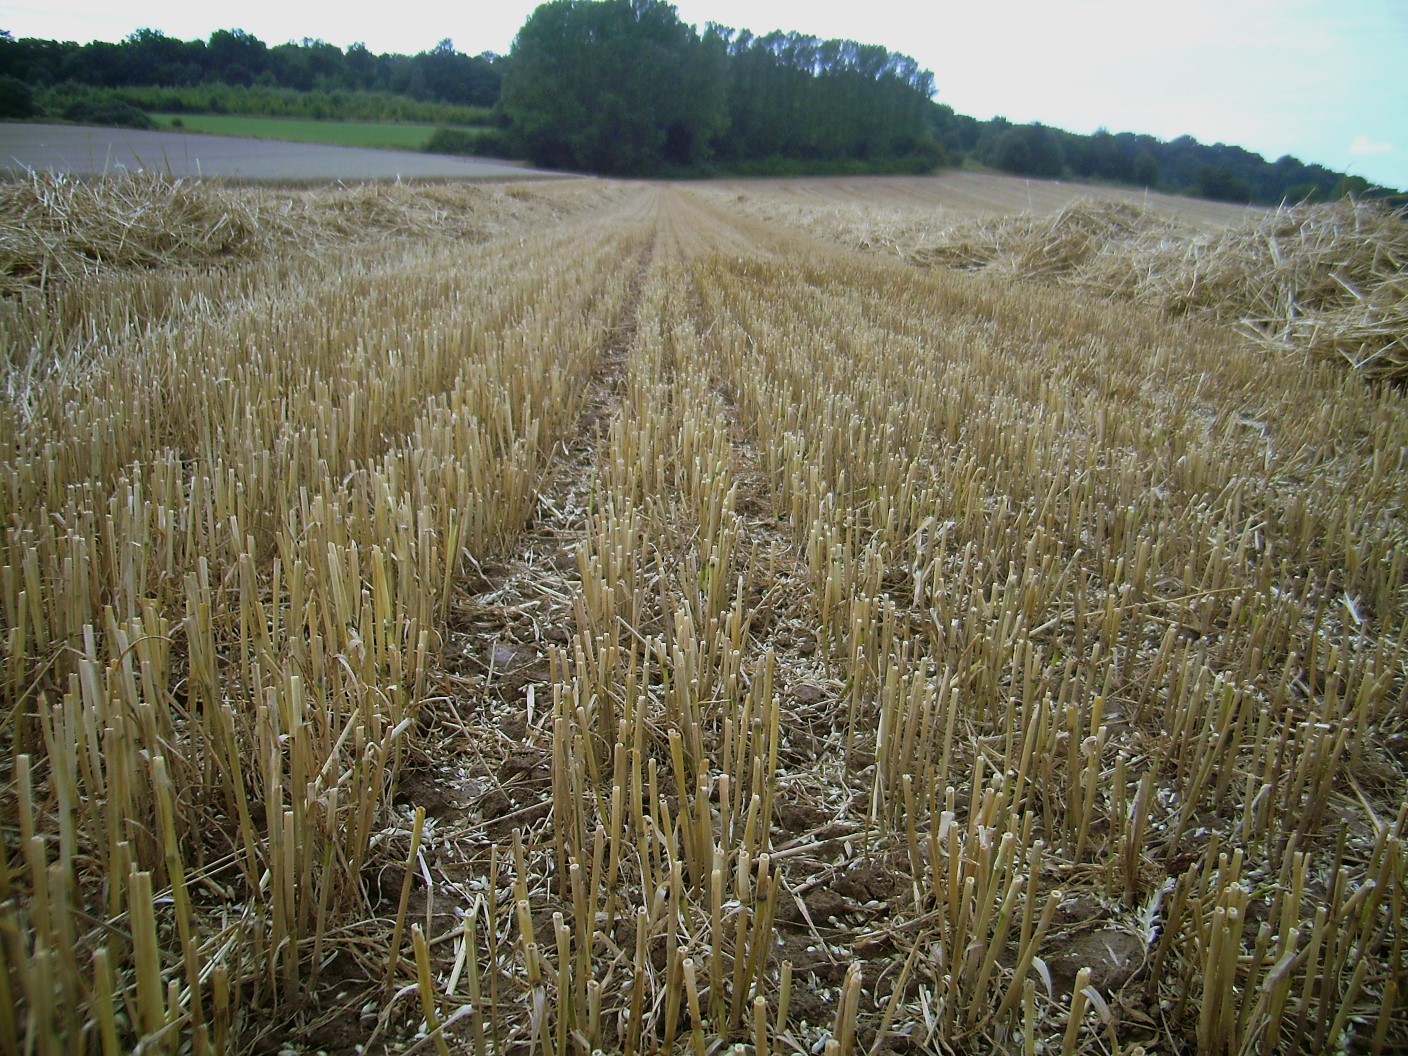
(1327, 280)
(652, 634)
(56, 228)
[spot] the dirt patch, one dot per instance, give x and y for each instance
(1113, 956)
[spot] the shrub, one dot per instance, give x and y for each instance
(452, 141)
(1221, 184)
(486, 143)
(16, 100)
(107, 112)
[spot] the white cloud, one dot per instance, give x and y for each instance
(1364, 145)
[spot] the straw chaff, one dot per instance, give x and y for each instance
(1048, 247)
(55, 228)
(1327, 280)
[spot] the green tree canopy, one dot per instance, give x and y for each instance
(623, 86)
(16, 100)
(617, 86)
(1027, 150)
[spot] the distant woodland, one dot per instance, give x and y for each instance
(624, 87)
(236, 58)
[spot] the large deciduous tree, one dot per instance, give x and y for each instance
(617, 86)
(623, 86)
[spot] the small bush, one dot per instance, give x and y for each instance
(16, 99)
(485, 143)
(452, 141)
(492, 143)
(107, 112)
(1221, 184)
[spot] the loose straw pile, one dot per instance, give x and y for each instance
(56, 228)
(1327, 280)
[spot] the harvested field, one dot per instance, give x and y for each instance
(597, 616)
(1324, 279)
(952, 196)
(60, 228)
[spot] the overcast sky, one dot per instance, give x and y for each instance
(1325, 80)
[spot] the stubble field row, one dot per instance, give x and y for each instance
(659, 629)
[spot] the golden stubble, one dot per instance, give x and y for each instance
(927, 659)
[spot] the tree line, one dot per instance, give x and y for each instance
(625, 87)
(1181, 166)
(150, 58)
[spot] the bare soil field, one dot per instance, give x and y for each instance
(582, 617)
(87, 151)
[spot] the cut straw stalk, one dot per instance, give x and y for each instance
(975, 534)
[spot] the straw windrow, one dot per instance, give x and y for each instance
(1324, 280)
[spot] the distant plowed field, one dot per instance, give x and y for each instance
(758, 618)
(86, 151)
